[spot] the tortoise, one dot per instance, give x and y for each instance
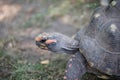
(95, 48)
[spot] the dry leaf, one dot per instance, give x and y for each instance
(45, 62)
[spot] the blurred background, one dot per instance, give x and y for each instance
(22, 20)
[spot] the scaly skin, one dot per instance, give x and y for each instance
(57, 42)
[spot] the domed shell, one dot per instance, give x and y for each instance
(100, 41)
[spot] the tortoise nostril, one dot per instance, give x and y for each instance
(38, 39)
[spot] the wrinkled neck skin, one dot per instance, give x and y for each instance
(71, 48)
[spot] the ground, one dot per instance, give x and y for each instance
(21, 21)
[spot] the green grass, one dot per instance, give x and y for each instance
(19, 69)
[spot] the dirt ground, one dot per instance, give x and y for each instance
(22, 20)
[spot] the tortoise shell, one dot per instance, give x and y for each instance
(100, 40)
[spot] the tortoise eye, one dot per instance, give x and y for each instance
(43, 40)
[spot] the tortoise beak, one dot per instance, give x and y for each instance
(40, 42)
(41, 45)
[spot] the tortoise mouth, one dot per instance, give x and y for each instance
(41, 45)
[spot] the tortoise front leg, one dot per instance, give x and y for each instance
(76, 67)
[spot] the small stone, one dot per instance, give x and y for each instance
(45, 62)
(10, 45)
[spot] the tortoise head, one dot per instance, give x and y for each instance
(56, 42)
